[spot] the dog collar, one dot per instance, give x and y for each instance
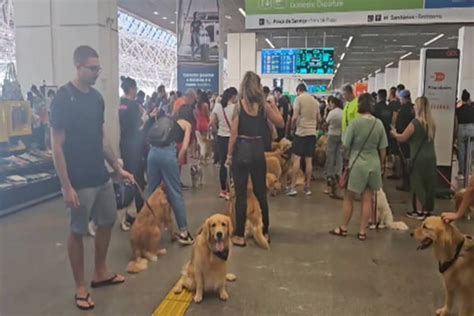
(444, 266)
(223, 255)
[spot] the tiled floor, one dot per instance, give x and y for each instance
(306, 271)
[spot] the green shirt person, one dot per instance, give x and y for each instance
(351, 110)
(350, 113)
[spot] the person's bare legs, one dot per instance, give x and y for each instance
(102, 240)
(347, 208)
(366, 210)
(309, 170)
(75, 250)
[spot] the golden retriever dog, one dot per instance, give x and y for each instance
(254, 224)
(273, 166)
(284, 145)
(145, 234)
(455, 255)
(319, 156)
(207, 269)
(273, 184)
(385, 215)
(465, 199)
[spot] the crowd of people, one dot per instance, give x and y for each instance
(157, 135)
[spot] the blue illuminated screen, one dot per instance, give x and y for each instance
(313, 89)
(318, 61)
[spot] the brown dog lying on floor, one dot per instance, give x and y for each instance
(455, 255)
(145, 234)
(206, 271)
(254, 224)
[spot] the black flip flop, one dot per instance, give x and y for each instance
(107, 282)
(361, 237)
(340, 233)
(84, 299)
(238, 244)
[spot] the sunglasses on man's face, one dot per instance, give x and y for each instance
(93, 68)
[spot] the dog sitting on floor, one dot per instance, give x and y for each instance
(145, 234)
(207, 269)
(455, 255)
(254, 223)
(385, 215)
(196, 175)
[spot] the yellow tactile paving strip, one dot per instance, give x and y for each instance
(174, 304)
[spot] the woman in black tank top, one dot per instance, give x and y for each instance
(246, 150)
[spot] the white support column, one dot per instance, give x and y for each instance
(409, 75)
(466, 62)
(48, 31)
(391, 77)
(371, 85)
(379, 81)
(241, 55)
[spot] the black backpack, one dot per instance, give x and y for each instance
(159, 134)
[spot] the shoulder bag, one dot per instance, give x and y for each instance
(344, 179)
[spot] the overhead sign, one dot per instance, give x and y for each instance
(439, 84)
(317, 61)
(310, 13)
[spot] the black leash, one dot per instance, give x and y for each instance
(444, 266)
(142, 195)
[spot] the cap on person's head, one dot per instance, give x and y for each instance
(405, 94)
(278, 89)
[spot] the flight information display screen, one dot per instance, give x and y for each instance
(319, 61)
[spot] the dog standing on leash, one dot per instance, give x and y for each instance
(196, 175)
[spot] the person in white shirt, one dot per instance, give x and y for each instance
(334, 145)
(221, 117)
(305, 118)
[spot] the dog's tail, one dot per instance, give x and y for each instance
(137, 265)
(259, 237)
(398, 225)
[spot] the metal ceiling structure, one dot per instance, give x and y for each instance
(147, 52)
(7, 36)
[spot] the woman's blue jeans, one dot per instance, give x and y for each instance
(163, 167)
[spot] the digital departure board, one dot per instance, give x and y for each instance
(314, 89)
(318, 61)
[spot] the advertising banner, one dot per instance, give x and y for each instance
(198, 45)
(440, 78)
(311, 13)
(198, 76)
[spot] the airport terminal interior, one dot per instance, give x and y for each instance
(236, 157)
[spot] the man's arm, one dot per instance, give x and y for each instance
(112, 160)
(58, 137)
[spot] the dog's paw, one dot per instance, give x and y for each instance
(162, 252)
(153, 258)
(224, 296)
(178, 290)
(230, 277)
(442, 311)
(198, 298)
